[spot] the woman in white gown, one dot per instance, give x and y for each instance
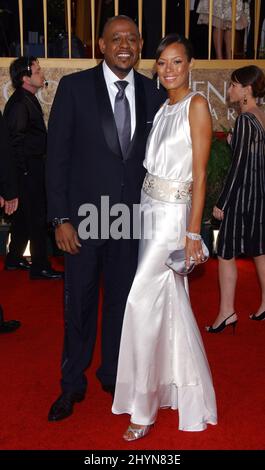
(162, 362)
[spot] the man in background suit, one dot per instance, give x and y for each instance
(87, 159)
(28, 137)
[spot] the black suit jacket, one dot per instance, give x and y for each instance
(8, 183)
(26, 126)
(84, 156)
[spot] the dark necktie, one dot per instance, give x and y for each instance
(122, 116)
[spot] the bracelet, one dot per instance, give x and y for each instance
(193, 236)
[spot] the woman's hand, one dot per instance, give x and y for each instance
(229, 138)
(193, 249)
(218, 213)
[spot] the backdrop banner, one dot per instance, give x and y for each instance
(213, 83)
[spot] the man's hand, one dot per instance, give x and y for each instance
(218, 213)
(9, 206)
(67, 239)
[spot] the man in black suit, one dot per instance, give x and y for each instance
(88, 159)
(28, 136)
(8, 200)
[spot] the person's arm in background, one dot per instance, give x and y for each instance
(8, 184)
(17, 122)
(240, 147)
(201, 137)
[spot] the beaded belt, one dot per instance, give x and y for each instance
(167, 190)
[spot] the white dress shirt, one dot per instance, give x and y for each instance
(110, 79)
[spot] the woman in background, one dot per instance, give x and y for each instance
(222, 23)
(241, 205)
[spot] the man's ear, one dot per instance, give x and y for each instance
(26, 79)
(102, 45)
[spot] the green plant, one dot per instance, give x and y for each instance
(219, 162)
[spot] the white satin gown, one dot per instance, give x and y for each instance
(162, 361)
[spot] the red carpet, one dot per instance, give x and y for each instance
(31, 356)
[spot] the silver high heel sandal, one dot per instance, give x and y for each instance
(136, 433)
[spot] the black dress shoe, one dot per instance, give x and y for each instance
(9, 326)
(46, 274)
(109, 389)
(23, 263)
(64, 405)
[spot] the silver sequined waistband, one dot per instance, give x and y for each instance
(167, 190)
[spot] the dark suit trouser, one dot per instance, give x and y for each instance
(29, 221)
(117, 261)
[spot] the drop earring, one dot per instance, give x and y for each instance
(245, 101)
(157, 82)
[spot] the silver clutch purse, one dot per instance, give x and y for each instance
(177, 260)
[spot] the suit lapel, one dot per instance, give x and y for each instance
(140, 113)
(106, 113)
(107, 117)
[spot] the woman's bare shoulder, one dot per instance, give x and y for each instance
(198, 100)
(199, 105)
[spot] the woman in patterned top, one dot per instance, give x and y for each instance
(241, 205)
